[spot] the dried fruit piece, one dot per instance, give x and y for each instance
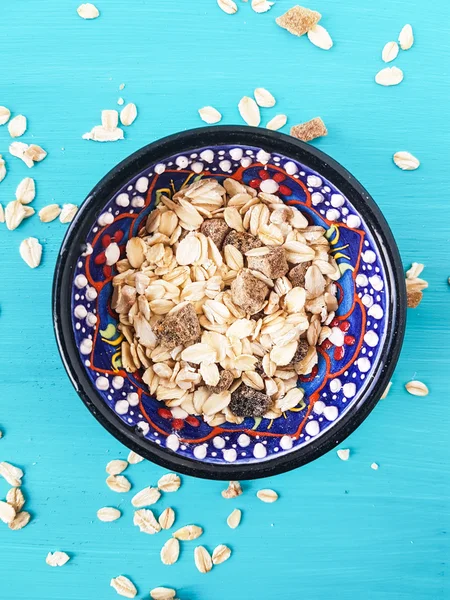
(128, 114)
(220, 554)
(15, 498)
(134, 458)
(162, 593)
(249, 111)
(389, 76)
(57, 559)
(14, 214)
(406, 37)
(390, 52)
(264, 98)
(31, 252)
(146, 497)
(261, 6)
(267, 495)
(12, 474)
(188, 533)
(68, 212)
(145, 520)
(167, 518)
(124, 586)
(209, 114)
(169, 483)
(170, 551)
(277, 122)
(17, 126)
(233, 490)
(108, 514)
(20, 521)
(49, 213)
(417, 388)
(5, 113)
(202, 559)
(320, 37)
(343, 454)
(406, 161)
(228, 6)
(88, 11)
(298, 20)
(118, 483)
(310, 130)
(247, 402)
(7, 512)
(26, 191)
(234, 518)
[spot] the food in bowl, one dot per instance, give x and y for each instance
(222, 298)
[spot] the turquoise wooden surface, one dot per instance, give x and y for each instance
(340, 530)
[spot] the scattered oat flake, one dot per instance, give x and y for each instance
(170, 551)
(417, 388)
(374, 466)
(167, 518)
(17, 126)
(228, 6)
(145, 520)
(320, 37)
(277, 122)
(310, 130)
(26, 191)
(249, 111)
(128, 114)
(134, 458)
(123, 586)
(115, 467)
(386, 391)
(88, 11)
(15, 498)
(108, 514)
(2, 169)
(264, 98)
(68, 212)
(121, 86)
(12, 474)
(110, 119)
(100, 134)
(57, 559)
(267, 495)
(5, 113)
(162, 593)
(118, 483)
(146, 497)
(7, 512)
(234, 518)
(220, 554)
(34, 153)
(343, 453)
(188, 533)
(31, 251)
(202, 559)
(49, 213)
(209, 114)
(18, 150)
(15, 213)
(298, 20)
(261, 6)
(389, 76)
(406, 37)
(233, 490)
(390, 52)
(406, 161)
(20, 521)
(169, 483)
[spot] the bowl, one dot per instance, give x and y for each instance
(355, 363)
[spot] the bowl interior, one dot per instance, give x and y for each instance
(351, 361)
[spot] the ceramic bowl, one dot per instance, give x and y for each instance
(355, 364)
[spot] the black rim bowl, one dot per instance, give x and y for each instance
(214, 136)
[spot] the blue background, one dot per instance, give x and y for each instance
(340, 530)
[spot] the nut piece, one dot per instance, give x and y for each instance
(273, 264)
(310, 130)
(170, 551)
(225, 381)
(124, 587)
(298, 20)
(169, 483)
(233, 490)
(268, 496)
(216, 229)
(88, 11)
(202, 559)
(57, 559)
(248, 292)
(179, 328)
(221, 554)
(31, 252)
(234, 518)
(108, 514)
(242, 241)
(188, 533)
(167, 518)
(162, 593)
(21, 520)
(248, 402)
(416, 388)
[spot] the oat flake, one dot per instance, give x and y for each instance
(16, 499)
(118, 483)
(170, 551)
(146, 497)
(417, 388)
(128, 114)
(169, 483)
(228, 6)
(2, 169)
(162, 593)
(57, 559)
(124, 586)
(20, 521)
(17, 126)
(188, 533)
(5, 113)
(406, 161)
(108, 514)
(68, 212)
(220, 554)
(264, 98)
(145, 520)
(26, 191)
(390, 52)
(12, 474)
(115, 467)
(268, 496)
(277, 122)
(234, 518)
(7, 512)
(389, 76)
(88, 11)
(249, 111)
(167, 518)
(202, 559)
(31, 252)
(49, 213)
(406, 37)
(134, 458)
(15, 213)
(320, 37)
(209, 114)
(343, 453)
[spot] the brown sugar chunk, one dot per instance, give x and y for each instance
(242, 241)
(414, 298)
(297, 275)
(298, 20)
(310, 130)
(216, 229)
(273, 264)
(248, 292)
(179, 328)
(225, 381)
(247, 402)
(300, 353)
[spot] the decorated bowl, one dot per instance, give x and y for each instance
(355, 362)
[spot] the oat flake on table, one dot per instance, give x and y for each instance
(134, 458)
(7, 512)
(267, 495)
(228, 6)
(128, 114)
(234, 518)
(320, 37)
(13, 475)
(261, 6)
(68, 212)
(220, 554)
(188, 533)
(146, 497)
(124, 586)
(88, 11)
(162, 593)
(5, 114)
(49, 213)
(20, 521)
(31, 251)
(170, 551)
(17, 126)
(277, 122)
(389, 76)
(390, 52)
(406, 161)
(115, 467)
(2, 169)
(202, 559)
(209, 115)
(118, 483)
(406, 37)
(249, 111)
(264, 98)
(169, 483)
(15, 498)
(167, 518)
(26, 191)
(57, 559)
(108, 514)
(417, 388)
